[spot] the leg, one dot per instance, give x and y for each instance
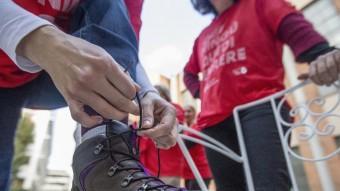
(11, 101)
(264, 149)
(227, 173)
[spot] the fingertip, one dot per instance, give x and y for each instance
(147, 123)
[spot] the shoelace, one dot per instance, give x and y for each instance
(117, 167)
(140, 128)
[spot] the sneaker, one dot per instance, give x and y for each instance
(110, 163)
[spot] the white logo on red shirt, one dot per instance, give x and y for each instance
(220, 49)
(60, 5)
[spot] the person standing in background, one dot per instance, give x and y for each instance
(197, 153)
(240, 58)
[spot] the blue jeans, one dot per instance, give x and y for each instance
(101, 22)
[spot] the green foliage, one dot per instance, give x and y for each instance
(24, 137)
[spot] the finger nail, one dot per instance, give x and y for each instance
(146, 122)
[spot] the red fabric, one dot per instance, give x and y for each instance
(240, 57)
(135, 10)
(294, 30)
(10, 75)
(197, 153)
(171, 160)
(179, 113)
(299, 34)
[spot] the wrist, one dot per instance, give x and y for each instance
(37, 42)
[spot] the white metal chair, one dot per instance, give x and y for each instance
(311, 120)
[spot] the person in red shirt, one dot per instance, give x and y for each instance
(83, 54)
(171, 160)
(198, 155)
(240, 58)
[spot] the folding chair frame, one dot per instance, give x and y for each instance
(309, 119)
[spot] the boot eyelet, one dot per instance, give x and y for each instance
(113, 170)
(134, 151)
(127, 181)
(144, 187)
(98, 149)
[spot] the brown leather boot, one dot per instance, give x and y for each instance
(110, 163)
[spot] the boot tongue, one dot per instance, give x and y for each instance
(124, 139)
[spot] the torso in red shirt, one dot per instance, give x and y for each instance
(57, 12)
(240, 57)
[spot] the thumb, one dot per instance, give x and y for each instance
(304, 76)
(147, 115)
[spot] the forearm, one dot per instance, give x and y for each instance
(306, 43)
(192, 83)
(15, 24)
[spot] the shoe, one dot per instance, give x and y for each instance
(110, 163)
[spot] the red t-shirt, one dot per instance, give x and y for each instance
(197, 153)
(171, 160)
(57, 12)
(240, 57)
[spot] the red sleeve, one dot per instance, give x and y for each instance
(191, 71)
(299, 34)
(193, 65)
(273, 12)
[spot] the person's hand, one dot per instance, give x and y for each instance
(325, 69)
(160, 117)
(84, 73)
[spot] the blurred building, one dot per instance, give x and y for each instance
(324, 15)
(36, 175)
(56, 181)
(34, 172)
(41, 168)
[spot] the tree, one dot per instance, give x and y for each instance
(24, 137)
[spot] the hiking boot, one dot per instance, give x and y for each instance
(110, 163)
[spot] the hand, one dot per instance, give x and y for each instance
(84, 73)
(160, 117)
(325, 69)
